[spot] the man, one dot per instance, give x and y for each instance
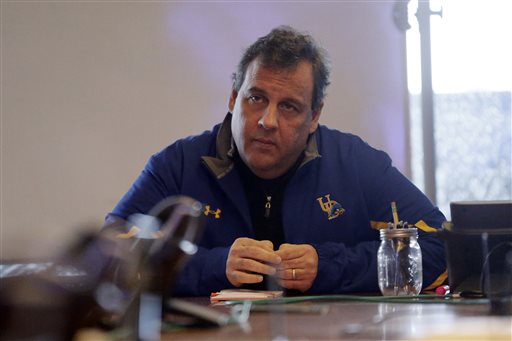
(284, 196)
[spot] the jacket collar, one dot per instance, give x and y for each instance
(223, 162)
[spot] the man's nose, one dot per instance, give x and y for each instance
(269, 118)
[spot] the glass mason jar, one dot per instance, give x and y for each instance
(399, 262)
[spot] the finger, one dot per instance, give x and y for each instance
(298, 263)
(251, 265)
(291, 251)
(244, 241)
(290, 274)
(267, 245)
(241, 277)
(302, 262)
(257, 253)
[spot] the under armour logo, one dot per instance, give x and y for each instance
(331, 207)
(208, 211)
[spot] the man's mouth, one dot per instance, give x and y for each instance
(264, 142)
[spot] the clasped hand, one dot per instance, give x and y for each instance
(295, 266)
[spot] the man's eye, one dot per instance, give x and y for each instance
(254, 99)
(289, 107)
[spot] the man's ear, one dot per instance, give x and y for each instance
(232, 100)
(315, 113)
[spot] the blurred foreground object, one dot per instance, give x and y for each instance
(115, 279)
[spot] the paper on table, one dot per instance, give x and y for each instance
(243, 294)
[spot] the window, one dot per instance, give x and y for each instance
(471, 75)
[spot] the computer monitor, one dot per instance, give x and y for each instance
(478, 243)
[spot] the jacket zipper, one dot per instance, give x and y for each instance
(268, 206)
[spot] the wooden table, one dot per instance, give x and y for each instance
(319, 319)
(354, 320)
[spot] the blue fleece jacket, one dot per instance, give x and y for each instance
(336, 201)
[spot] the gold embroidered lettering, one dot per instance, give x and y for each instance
(208, 210)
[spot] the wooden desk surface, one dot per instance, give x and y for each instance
(361, 321)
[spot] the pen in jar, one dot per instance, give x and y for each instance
(395, 214)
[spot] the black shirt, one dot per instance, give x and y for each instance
(265, 200)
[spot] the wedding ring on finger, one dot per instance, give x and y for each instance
(293, 275)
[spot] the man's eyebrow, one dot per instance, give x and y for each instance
(256, 89)
(293, 100)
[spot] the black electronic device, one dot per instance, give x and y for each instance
(478, 243)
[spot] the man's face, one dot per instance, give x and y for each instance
(272, 117)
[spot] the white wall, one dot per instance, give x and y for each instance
(90, 90)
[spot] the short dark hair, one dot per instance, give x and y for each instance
(283, 48)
